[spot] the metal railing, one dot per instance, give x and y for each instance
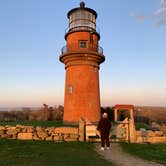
(73, 47)
(82, 28)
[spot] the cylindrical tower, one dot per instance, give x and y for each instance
(82, 56)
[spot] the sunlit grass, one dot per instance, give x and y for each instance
(45, 153)
(152, 152)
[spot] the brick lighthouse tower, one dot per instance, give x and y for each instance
(82, 57)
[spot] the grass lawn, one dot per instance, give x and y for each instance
(139, 125)
(152, 152)
(36, 123)
(45, 153)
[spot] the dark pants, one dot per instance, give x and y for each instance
(105, 139)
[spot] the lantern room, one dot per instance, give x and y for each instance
(81, 19)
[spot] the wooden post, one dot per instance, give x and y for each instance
(115, 114)
(81, 130)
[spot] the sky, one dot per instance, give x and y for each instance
(133, 36)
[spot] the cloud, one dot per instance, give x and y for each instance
(140, 18)
(161, 22)
(159, 15)
(162, 9)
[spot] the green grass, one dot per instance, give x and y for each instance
(152, 152)
(36, 123)
(141, 125)
(45, 153)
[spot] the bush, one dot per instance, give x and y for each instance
(26, 114)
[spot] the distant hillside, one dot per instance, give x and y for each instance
(18, 108)
(153, 113)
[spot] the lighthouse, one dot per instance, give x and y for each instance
(82, 56)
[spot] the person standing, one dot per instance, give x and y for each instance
(104, 128)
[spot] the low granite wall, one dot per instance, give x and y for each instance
(151, 136)
(39, 133)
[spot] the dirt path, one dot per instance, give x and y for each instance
(117, 156)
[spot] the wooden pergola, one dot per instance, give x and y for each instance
(118, 107)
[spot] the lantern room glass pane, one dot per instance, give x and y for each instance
(82, 18)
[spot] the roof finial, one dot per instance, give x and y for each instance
(82, 4)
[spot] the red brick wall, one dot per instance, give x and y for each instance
(83, 76)
(74, 38)
(84, 101)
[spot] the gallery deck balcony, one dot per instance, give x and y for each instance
(75, 47)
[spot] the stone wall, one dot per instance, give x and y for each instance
(39, 133)
(76, 133)
(150, 136)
